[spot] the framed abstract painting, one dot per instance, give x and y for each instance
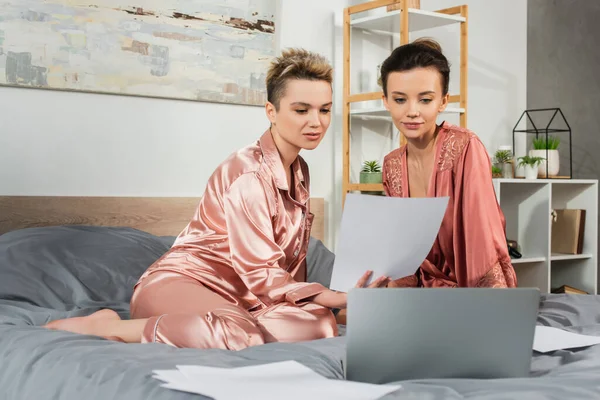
(199, 50)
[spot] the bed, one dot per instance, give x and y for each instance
(63, 257)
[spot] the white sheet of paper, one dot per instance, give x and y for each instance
(169, 375)
(289, 380)
(548, 339)
(273, 370)
(389, 235)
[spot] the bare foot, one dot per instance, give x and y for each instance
(96, 324)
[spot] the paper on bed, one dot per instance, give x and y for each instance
(548, 339)
(278, 369)
(290, 380)
(389, 235)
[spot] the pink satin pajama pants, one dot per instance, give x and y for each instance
(184, 313)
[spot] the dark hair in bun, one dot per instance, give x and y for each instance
(421, 53)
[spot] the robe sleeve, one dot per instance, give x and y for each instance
(255, 255)
(479, 239)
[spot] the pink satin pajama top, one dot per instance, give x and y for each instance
(470, 249)
(249, 236)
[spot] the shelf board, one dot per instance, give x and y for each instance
(381, 112)
(527, 260)
(557, 180)
(367, 187)
(371, 96)
(417, 20)
(562, 257)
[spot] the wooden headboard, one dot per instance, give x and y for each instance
(161, 216)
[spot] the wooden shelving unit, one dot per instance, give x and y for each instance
(400, 21)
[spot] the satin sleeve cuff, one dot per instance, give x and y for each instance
(295, 296)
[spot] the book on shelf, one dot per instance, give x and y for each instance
(567, 231)
(568, 289)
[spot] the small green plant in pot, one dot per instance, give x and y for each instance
(370, 173)
(496, 171)
(504, 162)
(540, 145)
(530, 165)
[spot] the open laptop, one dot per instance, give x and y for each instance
(399, 334)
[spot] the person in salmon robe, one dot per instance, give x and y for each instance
(236, 275)
(441, 160)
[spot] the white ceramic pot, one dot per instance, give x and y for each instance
(531, 172)
(553, 162)
(519, 171)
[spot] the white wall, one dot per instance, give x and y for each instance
(59, 143)
(497, 65)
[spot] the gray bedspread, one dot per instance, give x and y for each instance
(46, 275)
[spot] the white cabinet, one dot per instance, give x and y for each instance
(527, 207)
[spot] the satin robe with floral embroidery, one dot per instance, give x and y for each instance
(470, 249)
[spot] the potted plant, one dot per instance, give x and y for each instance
(529, 164)
(540, 145)
(504, 162)
(371, 172)
(496, 171)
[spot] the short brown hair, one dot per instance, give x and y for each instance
(422, 53)
(295, 64)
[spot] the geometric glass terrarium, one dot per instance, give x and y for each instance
(547, 131)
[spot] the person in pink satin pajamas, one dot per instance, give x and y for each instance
(236, 275)
(443, 160)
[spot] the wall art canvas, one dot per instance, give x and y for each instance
(201, 50)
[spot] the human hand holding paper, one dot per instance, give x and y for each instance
(332, 299)
(390, 235)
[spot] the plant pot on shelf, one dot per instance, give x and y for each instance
(371, 174)
(496, 171)
(553, 162)
(507, 170)
(370, 177)
(530, 165)
(531, 172)
(504, 160)
(519, 171)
